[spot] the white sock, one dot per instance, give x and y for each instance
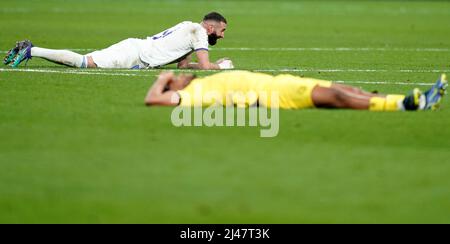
(60, 56)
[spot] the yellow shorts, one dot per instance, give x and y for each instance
(295, 92)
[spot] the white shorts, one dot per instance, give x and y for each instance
(123, 55)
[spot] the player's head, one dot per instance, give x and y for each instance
(180, 81)
(215, 25)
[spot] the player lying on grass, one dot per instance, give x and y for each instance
(174, 45)
(293, 92)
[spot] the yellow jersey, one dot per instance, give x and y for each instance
(244, 88)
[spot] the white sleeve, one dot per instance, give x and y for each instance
(199, 38)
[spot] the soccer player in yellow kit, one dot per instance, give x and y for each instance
(244, 88)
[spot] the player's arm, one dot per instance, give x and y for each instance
(203, 60)
(204, 63)
(186, 63)
(158, 94)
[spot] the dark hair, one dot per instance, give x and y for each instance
(215, 16)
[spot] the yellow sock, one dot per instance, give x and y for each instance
(388, 103)
(394, 102)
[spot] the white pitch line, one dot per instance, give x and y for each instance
(106, 72)
(109, 71)
(303, 49)
(354, 70)
(322, 70)
(386, 83)
(339, 49)
(153, 75)
(69, 72)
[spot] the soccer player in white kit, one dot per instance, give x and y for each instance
(174, 45)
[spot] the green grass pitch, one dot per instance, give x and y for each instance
(79, 146)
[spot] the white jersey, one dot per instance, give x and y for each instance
(174, 44)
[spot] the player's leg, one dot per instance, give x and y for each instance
(19, 53)
(345, 97)
(24, 50)
(12, 53)
(336, 97)
(353, 90)
(64, 57)
(435, 94)
(330, 97)
(122, 55)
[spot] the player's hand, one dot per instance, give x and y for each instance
(225, 63)
(166, 76)
(221, 60)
